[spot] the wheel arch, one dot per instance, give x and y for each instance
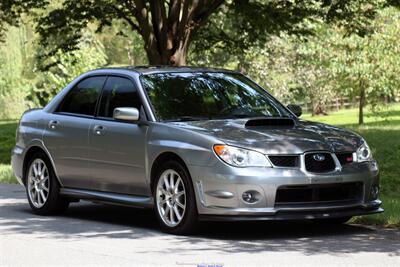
(163, 157)
(32, 150)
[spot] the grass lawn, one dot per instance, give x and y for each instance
(7, 141)
(382, 132)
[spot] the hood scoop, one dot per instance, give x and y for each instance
(270, 122)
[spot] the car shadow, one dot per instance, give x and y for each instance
(87, 220)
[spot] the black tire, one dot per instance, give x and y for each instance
(333, 221)
(189, 221)
(55, 204)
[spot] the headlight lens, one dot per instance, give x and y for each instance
(240, 157)
(364, 153)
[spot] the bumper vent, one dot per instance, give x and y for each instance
(319, 162)
(303, 194)
(285, 161)
(345, 158)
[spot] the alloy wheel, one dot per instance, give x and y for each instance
(38, 183)
(171, 198)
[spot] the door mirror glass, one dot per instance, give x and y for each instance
(296, 109)
(126, 114)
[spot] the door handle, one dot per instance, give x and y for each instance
(99, 130)
(53, 124)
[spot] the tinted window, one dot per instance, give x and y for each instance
(191, 96)
(118, 92)
(83, 97)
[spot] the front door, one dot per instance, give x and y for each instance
(117, 148)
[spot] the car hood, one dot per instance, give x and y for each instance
(303, 136)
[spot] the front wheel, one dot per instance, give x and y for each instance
(42, 187)
(174, 198)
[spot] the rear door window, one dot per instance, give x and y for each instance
(83, 97)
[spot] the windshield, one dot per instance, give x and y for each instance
(208, 95)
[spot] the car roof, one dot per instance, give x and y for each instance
(163, 69)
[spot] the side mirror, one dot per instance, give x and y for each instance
(296, 109)
(126, 114)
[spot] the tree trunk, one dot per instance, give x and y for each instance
(170, 57)
(361, 105)
(173, 56)
(167, 32)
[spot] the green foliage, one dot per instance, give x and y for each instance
(249, 24)
(320, 66)
(13, 89)
(6, 174)
(67, 66)
(168, 27)
(370, 64)
(11, 10)
(122, 47)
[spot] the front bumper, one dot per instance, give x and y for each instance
(219, 191)
(300, 214)
(17, 161)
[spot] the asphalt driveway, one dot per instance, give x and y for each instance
(101, 235)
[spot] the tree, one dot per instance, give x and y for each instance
(168, 27)
(368, 67)
(13, 88)
(66, 67)
(11, 10)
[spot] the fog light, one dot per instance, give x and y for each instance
(374, 191)
(251, 196)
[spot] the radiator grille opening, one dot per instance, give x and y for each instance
(319, 162)
(303, 194)
(285, 161)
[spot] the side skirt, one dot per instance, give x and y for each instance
(112, 198)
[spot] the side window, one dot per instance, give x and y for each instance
(118, 92)
(83, 97)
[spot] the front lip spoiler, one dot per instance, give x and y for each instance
(293, 215)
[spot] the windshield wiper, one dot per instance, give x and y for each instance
(188, 118)
(220, 117)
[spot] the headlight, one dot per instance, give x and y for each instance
(363, 153)
(240, 157)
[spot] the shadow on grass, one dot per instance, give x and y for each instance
(384, 114)
(388, 124)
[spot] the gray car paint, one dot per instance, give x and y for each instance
(117, 161)
(304, 136)
(120, 161)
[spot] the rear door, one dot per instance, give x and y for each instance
(66, 136)
(117, 148)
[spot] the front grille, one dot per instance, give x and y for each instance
(319, 162)
(303, 194)
(345, 157)
(284, 161)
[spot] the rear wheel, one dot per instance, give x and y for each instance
(339, 220)
(174, 198)
(42, 187)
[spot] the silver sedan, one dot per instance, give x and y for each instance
(194, 144)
